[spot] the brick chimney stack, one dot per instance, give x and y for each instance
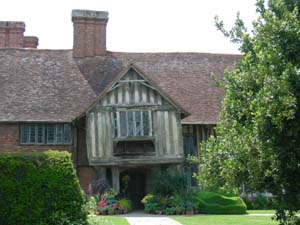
(89, 38)
(11, 34)
(30, 42)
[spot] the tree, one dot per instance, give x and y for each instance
(258, 137)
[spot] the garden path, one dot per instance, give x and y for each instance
(141, 218)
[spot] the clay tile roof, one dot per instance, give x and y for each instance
(185, 77)
(49, 85)
(41, 85)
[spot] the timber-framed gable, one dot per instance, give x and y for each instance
(134, 122)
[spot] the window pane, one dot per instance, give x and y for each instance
(59, 133)
(40, 134)
(45, 133)
(146, 123)
(130, 124)
(32, 134)
(123, 124)
(115, 120)
(24, 134)
(50, 133)
(138, 124)
(67, 134)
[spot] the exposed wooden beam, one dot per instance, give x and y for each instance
(131, 81)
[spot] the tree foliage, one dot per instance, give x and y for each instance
(258, 141)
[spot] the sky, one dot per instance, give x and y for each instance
(135, 25)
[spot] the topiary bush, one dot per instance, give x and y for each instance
(39, 188)
(213, 203)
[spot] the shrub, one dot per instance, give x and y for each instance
(39, 188)
(213, 203)
(125, 204)
(259, 201)
(91, 205)
(147, 198)
(171, 195)
(168, 205)
(168, 183)
(150, 202)
(151, 207)
(176, 200)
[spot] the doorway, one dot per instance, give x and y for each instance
(133, 186)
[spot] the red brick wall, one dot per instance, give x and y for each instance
(86, 175)
(9, 141)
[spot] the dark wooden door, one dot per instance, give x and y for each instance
(135, 190)
(190, 149)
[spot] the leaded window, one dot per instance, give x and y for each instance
(132, 123)
(46, 134)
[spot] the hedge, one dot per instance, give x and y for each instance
(39, 188)
(213, 203)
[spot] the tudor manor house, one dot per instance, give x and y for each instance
(118, 113)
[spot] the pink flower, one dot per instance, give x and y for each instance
(102, 203)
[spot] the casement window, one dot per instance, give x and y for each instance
(46, 134)
(132, 124)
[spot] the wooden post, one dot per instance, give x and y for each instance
(198, 138)
(101, 172)
(74, 155)
(116, 179)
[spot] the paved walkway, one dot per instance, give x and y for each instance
(141, 218)
(256, 214)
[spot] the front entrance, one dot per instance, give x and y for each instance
(133, 186)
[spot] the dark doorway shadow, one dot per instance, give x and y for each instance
(133, 186)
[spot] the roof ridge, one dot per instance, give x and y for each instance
(34, 49)
(177, 53)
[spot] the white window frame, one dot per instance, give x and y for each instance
(117, 122)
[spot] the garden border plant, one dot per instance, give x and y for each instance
(171, 195)
(105, 201)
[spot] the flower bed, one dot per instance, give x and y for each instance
(172, 205)
(113, 206)
(107, 203)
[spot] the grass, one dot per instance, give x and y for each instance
(261, 211)
(107, 220)
(224, 220)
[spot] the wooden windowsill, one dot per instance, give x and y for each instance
(144, 138)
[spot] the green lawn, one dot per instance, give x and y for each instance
(107, 220)
(224, 220)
